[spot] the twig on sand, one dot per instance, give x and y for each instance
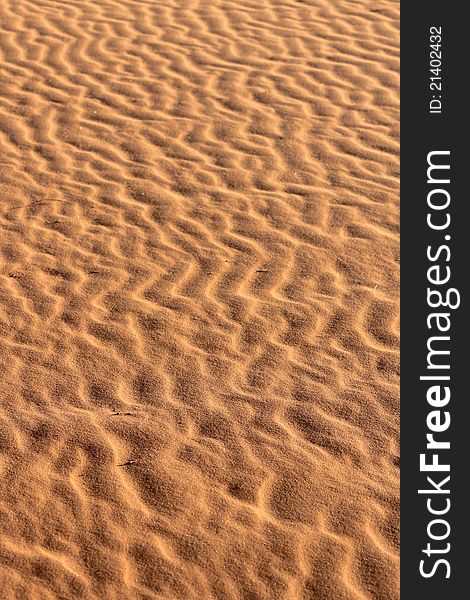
(46, 250)
(33, 203)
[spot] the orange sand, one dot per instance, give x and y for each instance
(199, 299)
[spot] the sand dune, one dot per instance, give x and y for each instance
(199, 299)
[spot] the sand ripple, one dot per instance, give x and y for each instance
(199, 300)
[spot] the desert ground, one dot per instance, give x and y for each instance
(199, 309)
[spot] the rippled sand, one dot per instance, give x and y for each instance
(199, 300)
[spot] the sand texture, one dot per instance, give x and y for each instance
(199, 299)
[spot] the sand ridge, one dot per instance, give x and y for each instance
(199, 300)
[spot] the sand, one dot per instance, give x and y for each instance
(199, 299)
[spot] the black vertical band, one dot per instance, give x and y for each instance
(434, 292)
